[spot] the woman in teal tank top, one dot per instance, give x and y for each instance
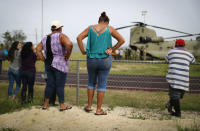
(98, 42)
(99, 59)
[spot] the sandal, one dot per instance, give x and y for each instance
(86, 109)
(66, 108)
(101, 113)
(44, 108)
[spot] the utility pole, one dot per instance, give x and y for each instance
(36, 39)
(42, 22)
(144, 12)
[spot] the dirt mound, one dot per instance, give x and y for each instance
(118, 119)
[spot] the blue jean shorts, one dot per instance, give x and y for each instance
(98, 70)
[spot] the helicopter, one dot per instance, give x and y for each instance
(147, 45)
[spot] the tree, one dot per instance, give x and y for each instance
(16, 35)
(7, 38)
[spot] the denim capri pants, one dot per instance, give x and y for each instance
(98, 70)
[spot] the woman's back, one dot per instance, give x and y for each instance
(16, 63)
(28, 57)
(58, 51)
(28, 63)
(57, 48)
(99, 40)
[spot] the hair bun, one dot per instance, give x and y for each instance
(103, 17)
(103, 14)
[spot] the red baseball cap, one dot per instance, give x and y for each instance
(180, 42)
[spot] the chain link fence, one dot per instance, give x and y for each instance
(132, 75)
(124, 75)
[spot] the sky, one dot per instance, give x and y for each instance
(76, 15)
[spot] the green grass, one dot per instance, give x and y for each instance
(193, 127)
(113, 98)
(119, 68)
(77, 56)
(139, 69)
(13, 105)
(8, 129)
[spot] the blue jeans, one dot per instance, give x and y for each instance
(55, 79)
(28, 80)
(176, 93)
(98, 69)
(14, 75)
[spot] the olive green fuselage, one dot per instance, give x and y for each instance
(144, 39)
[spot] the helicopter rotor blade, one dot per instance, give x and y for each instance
(119, 28)
(140, 23)
(169, 29)
(182, 36)
(143, 24)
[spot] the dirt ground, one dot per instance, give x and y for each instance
(76, 119)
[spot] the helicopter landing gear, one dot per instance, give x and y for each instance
(140, 54)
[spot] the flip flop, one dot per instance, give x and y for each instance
(86, 109)
(101, 113)
(66, 108)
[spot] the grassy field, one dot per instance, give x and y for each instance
(113, 98)
(119, 68)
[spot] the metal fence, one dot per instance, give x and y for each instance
(129, 75)
(124, 75)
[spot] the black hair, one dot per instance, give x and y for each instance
(26, 50)
(179, 45)
(53, 28)
(12, 51)
(103, 18)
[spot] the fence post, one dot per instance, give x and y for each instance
(77, 87)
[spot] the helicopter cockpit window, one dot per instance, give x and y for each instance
(145, 39)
